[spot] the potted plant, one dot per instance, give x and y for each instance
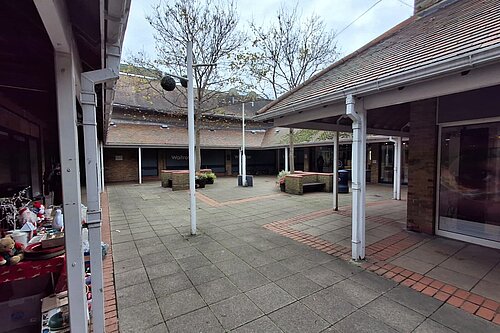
(280, 179)
(200, 180)
(210, 177)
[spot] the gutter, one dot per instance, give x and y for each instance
(432, 70)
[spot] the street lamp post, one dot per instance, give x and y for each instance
(243, 157)
(168, 84)
(190, 102)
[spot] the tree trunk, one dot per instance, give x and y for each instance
(292, 155)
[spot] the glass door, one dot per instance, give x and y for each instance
(469, 183)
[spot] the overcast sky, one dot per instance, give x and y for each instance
(337, 14)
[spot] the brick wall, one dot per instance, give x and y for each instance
(116, 170)
(422, 166)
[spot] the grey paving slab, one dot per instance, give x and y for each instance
(462, 321)
(127, 265)
(394, 314)
(354, 293)
(236, 311)
(185, 252)
(248, 280)
(431, 326)
(233, 266)
(180, 303)
(261, 325)
(373, 281)
(201, 320)
(150, 315)
(270, 297)
(204, 274)
(170, 284)
(163, 269)
(328, 305)
(323, 276)
(193, 262)
(298, 285)
(219, 255)
(298, 318)
(298, 263)
(342, 267)
(361, 322)
(217, 290)
(160, 328)
(414, 300)
(133, 295)
(157, 258)
(275, 271)
(130, 278)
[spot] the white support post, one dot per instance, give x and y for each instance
(243, 156)
(239, 162)
(99, 171)
(358, 177)
(335, 176)
(192, 162)
(286, 159)
(70, 174)
(397, 167)
(399, 144)
(140, 165)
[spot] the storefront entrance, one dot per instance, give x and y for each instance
(469, 187)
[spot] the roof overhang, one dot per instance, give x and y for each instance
(465, 72)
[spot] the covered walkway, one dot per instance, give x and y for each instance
(265, 261)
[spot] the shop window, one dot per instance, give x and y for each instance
(469, 190)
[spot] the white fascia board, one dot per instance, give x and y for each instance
(436, 69)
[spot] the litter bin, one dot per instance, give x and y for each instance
(343, 181)
(249, 180)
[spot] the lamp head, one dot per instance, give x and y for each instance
(167, 83)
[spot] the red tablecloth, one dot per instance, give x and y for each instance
(31, 269)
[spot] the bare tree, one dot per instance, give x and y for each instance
(288, 52)
(212, 27)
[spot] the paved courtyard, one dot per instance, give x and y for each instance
(266, 261)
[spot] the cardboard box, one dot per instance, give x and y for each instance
(20, 312)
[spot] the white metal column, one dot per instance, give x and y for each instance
(70, 174)
(358, 177)
(286, 159)
(397, 167)
(239, 162)
(192, 156)
(140, 165)
(243, 155)
(335, 176)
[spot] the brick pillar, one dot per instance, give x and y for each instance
(422, 166)
(375, 166)
(229, 164)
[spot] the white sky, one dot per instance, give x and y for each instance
(337, 14)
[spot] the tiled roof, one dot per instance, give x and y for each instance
(137, 92)
(155, 135)
(451, 29)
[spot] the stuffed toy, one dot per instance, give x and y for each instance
(11, 252)
(39, 210)
(26, 215)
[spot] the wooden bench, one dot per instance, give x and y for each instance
(313, 187)
(301, 182)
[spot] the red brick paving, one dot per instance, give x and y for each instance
(384, 249)
(111, 316)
